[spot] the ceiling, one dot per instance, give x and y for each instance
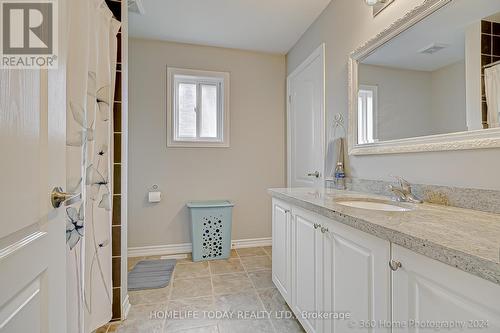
(446, 26)
(260, 25)
(494, 18)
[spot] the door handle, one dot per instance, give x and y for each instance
(314, 174)
(58, 197)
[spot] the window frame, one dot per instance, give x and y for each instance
(364, 120)
(176, 76)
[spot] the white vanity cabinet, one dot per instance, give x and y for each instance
(281, 241)
(356, 278)
(307, 266)
(332, 268)
(323, 266)
(426, 290)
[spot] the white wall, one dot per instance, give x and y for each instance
(344, 26)
(242, 173)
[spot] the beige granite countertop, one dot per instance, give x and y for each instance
(463, 238)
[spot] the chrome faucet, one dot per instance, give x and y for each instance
(403, 192)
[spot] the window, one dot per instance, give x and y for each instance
(367, 114)
(198, 108)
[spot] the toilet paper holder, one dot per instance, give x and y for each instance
(154, 195)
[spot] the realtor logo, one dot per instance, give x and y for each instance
(29, 34)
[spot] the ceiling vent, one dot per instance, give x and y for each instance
(136, 6)
(433, 48)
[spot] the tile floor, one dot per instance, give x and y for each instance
(240, 283)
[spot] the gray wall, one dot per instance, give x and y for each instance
(404, 110)
(344, 26)
(416, 103)
(449, 103)
(242, 173)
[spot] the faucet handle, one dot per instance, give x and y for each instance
(404, 193)
(398, 193)
(403, 183)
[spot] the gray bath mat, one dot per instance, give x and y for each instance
(151, 274)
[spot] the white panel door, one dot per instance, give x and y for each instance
(281, 270)
(427, 291)
(356, 278)
(306, 269)
(306, 122)
(32, 162)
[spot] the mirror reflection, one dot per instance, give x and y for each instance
(440, 76)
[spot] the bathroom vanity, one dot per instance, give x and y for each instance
(389, 269)
(422, 85)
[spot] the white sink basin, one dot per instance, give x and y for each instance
(380, 205)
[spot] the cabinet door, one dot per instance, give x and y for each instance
(306, 269)
(356, 279)
(281, 270)
(425, 290)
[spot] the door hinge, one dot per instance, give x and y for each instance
(290, 99)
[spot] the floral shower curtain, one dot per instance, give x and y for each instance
(91, 77)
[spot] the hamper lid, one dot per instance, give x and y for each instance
(209, 204)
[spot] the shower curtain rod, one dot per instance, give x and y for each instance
(492, 64)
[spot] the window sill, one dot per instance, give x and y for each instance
(196, 144)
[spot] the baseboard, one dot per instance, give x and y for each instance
(125, 308)
(159, 250)
(252, 242)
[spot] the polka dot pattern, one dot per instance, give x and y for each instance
(212, 237)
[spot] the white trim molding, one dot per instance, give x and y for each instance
(252, 242)
(158, 250)
(477, 139)
(125, 307)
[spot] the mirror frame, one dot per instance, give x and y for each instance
(477, 139)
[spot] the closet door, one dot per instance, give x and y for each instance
(306, 268)
(306, 122)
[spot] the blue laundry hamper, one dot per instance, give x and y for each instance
(211, 229)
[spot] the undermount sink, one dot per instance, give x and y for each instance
(374, 204)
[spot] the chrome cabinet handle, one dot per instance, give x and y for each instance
(323, 229)
(314, 174)
(316, 225)
(287, 211)
(395, 265)
(58, 197)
